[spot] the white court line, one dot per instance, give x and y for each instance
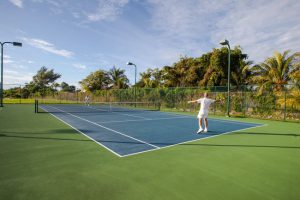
(82, 132)
(186, 116)
(140, 120)
(192, 141)
(233, 122)
(106, 128)
(214, 119)
(96, 108)
(134, 116)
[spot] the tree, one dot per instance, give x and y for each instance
(54, 86)
(186, 72)
(241, 75)
(145, 80)
(42, 81)
(295, 72)
(216, 70)
(44, 77)
(118, 78)
(277, 71)
(14, 92)
(151, 78)
(96, 81)
(157, 78)
(65, 87)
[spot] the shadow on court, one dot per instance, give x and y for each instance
(51, 131)
(165, 144)
(44, 138)
(268, 134)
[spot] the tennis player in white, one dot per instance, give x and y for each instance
(203, 112)
(87, 100)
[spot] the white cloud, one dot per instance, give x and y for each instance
(16, 77)
(46, 46)
(262, 27)
(18, 3)
(7, 59)
(11, 72)
(97, 10)
(79, 66)
(107, 10)
(259, 26)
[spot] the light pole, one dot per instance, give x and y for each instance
(130, 63)
(226, 42)
(1, 86)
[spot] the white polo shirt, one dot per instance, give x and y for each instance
(205, 103)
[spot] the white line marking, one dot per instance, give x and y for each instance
(83, 133)
(106, 128)
(134, 116)
(233, 122)
(140, 120)
(186, 116)
(191, 141)
(214, 119)
(97, 109)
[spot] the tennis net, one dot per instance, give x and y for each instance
(44, 106)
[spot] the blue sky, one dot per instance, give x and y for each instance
(76, 37)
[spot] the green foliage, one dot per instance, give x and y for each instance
(96, 81)
(278, 70)
(118, 79)
(115, 78)
(13, 93)
(41, 83)
(65, 87)
(210, 69)
(44, 77)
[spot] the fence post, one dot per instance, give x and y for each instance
(244, 94)
(284, 103)
(106, 91)
(215, 99)
(20, 94)
(76, 91)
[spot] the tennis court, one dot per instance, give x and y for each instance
(131, 130)
(43, 158)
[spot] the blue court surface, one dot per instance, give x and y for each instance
(129, 133)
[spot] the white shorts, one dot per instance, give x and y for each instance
(202, 115)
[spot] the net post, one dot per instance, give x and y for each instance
(35, 106)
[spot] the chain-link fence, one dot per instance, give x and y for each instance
(246, 101)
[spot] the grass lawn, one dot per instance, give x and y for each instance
(42, 158)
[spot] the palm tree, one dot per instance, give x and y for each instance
(146, 79)
(242, 74)
(276, 71)
(183, 73)
(118, 78)
(151, 78)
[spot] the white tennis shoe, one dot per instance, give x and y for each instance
(205, 130)
(200, 130)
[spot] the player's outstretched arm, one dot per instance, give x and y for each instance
(194, 101)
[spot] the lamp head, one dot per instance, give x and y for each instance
(224, 42)
(18, 44)
(129, 63)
